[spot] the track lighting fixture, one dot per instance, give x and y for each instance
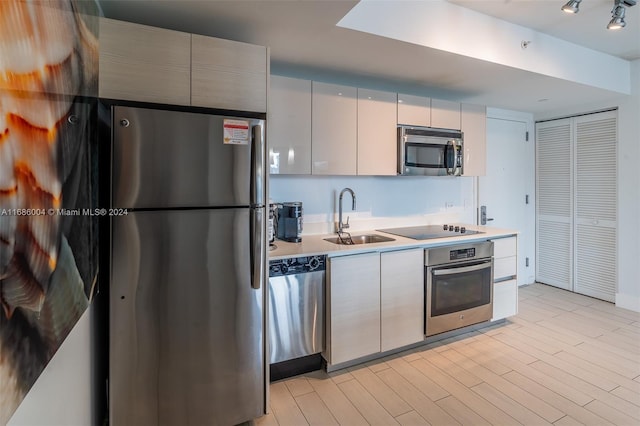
(617, 13)
(572, 6)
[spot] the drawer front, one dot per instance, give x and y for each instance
(505, 299)
(505, 247)
(505, 267)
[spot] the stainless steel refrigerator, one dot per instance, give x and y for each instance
(188, 258)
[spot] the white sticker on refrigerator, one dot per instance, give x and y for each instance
(236, 132)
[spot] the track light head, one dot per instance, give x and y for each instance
(617, 18)
(572, 6)
(617, 14)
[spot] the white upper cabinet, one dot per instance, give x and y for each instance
(474, 129)
(228, 74)
(414, 110)
(445, 114)
(334, 110)
(377, 134)
(289, 126)
(142, 63)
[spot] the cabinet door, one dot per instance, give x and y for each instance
(334, 132)
(289, 126)
(377, 134)
(353, 292)
(445, 114)
(146, 64)
(402, 298)
(474, 128)
(414, 110)
(228, 74)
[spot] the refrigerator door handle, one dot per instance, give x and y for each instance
(257, 167)
(258, 247)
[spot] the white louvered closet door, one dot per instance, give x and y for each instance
(554, 206)
(596, 205)
(576, 218)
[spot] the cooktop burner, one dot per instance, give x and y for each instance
(428, 232)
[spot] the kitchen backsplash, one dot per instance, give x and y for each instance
(381, 201)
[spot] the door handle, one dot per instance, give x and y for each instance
(459, 270)
(483, 216)
(257, 167)
(257, 249)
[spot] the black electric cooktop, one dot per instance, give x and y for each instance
(429, 232)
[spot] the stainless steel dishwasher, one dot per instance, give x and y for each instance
(296, 307)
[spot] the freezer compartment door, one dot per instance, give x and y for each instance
(186, 324)
(165, 159)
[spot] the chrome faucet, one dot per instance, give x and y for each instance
(341, 225)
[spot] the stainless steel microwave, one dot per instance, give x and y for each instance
(426, 151)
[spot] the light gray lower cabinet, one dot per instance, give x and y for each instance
(401, 298)
(375, 303)
(353, 295)
(505, 282)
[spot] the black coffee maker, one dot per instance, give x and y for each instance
(289, 223)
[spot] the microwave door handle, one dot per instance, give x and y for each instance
(458, 156)
(456, 151)
(450, 149)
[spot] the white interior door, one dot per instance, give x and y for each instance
(508, 189)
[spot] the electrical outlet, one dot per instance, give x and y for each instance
(448, 205)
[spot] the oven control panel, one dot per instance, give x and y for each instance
(467, 253)
(449, 254)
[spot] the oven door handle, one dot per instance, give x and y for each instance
(452, 271)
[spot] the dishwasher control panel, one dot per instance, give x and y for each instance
(297, 265)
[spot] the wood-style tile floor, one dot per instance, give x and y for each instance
(565, 359)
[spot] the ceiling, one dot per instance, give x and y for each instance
(305, 42)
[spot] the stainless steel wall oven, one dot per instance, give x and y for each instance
(458, 286)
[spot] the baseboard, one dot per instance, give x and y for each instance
(628, 301)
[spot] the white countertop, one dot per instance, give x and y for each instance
(312, 245)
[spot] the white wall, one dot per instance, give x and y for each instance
(62, 395)
(381, 201)
(628, 289)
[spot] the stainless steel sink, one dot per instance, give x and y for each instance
(359, 239)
